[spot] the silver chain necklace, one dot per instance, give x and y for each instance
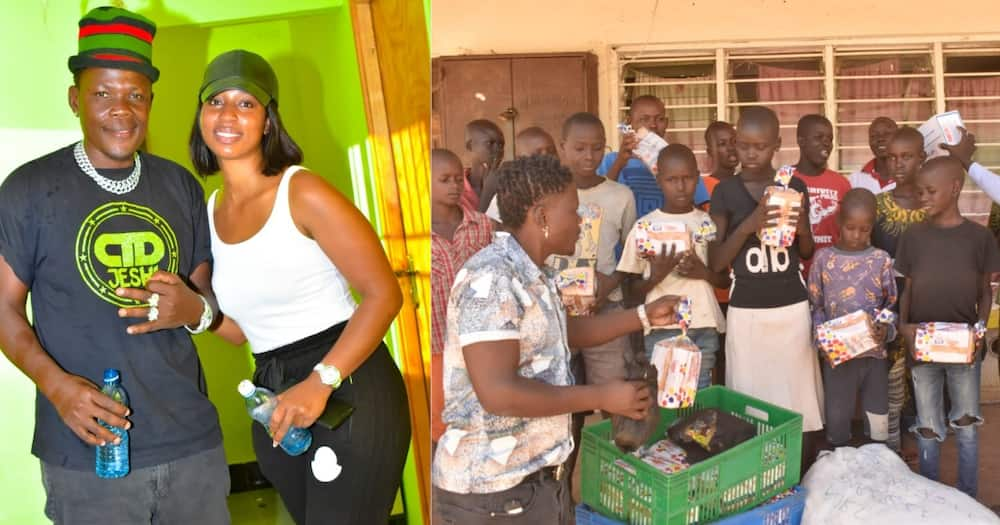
(118, 187)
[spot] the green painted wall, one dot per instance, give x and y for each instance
(311, 46)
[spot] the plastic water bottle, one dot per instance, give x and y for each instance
(112, 460)
(260, 404)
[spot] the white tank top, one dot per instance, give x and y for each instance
(278, 285)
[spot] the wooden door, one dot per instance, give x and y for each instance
(513, 91)
(547, 90)
(469, 89)
(393, 55)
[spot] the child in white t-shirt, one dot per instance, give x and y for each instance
(681, 269)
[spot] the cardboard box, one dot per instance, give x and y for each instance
(945, 343)
(846, 337)
(651, 237)
(678, 363)
(789, 200)
(941, 129)
(578, 290)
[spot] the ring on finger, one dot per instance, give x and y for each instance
(153, 313)
(154, 300)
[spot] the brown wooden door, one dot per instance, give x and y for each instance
(514, 91)
(472, 89)
(547, 90)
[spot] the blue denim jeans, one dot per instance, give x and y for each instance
(706, 339)
(963, 389)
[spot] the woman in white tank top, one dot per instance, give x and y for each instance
(287, 249)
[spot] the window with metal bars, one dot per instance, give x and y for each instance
(849, 82)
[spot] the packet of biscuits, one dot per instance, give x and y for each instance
(846, 337)
(655, 237)
(944, 343)
(577, 289)
(648, 148)
(789, 202)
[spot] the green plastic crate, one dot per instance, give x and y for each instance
(623, 487)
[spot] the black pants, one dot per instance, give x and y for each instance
(864, 378)
(538, 500)
(371, 445)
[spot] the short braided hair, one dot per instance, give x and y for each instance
(524, 181)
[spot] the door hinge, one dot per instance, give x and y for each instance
(411, 274)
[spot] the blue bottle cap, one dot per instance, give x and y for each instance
(110, 374)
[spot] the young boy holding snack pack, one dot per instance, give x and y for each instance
(851, 286)
(668, 248)
(646, 113)
(588, 281)
(947, 261)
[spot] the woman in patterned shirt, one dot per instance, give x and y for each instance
(508, 388)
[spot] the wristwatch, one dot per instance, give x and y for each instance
(328, 375)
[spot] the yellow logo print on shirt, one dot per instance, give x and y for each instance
(114, 249)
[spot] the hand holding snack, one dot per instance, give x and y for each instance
(663, 311)
(663, 263)
(692, 267)
(629, 142)
(791, 220)
(626, 398)
(763, 216)
(802, 226)
(879, 332)
(908, 332)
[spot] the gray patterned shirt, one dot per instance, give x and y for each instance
(499, 295)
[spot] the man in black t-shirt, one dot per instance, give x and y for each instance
(76, 227)
(947, 261)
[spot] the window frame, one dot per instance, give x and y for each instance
(937, 47)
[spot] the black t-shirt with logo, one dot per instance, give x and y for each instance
(947, 267)
(73, 243)
(764, 276)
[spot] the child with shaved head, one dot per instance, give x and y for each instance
(946, 261)
(853, 275)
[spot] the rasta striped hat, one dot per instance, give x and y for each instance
(111, 37)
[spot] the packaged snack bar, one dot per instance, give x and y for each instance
(789, 200)
(678, 361)
(665, 456)
(652, 237)
(578, 290)
(649, 146)
(945, 343)
(846, 337)
(941, 129)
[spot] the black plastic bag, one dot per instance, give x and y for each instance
(630, 434)
(708, 432)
